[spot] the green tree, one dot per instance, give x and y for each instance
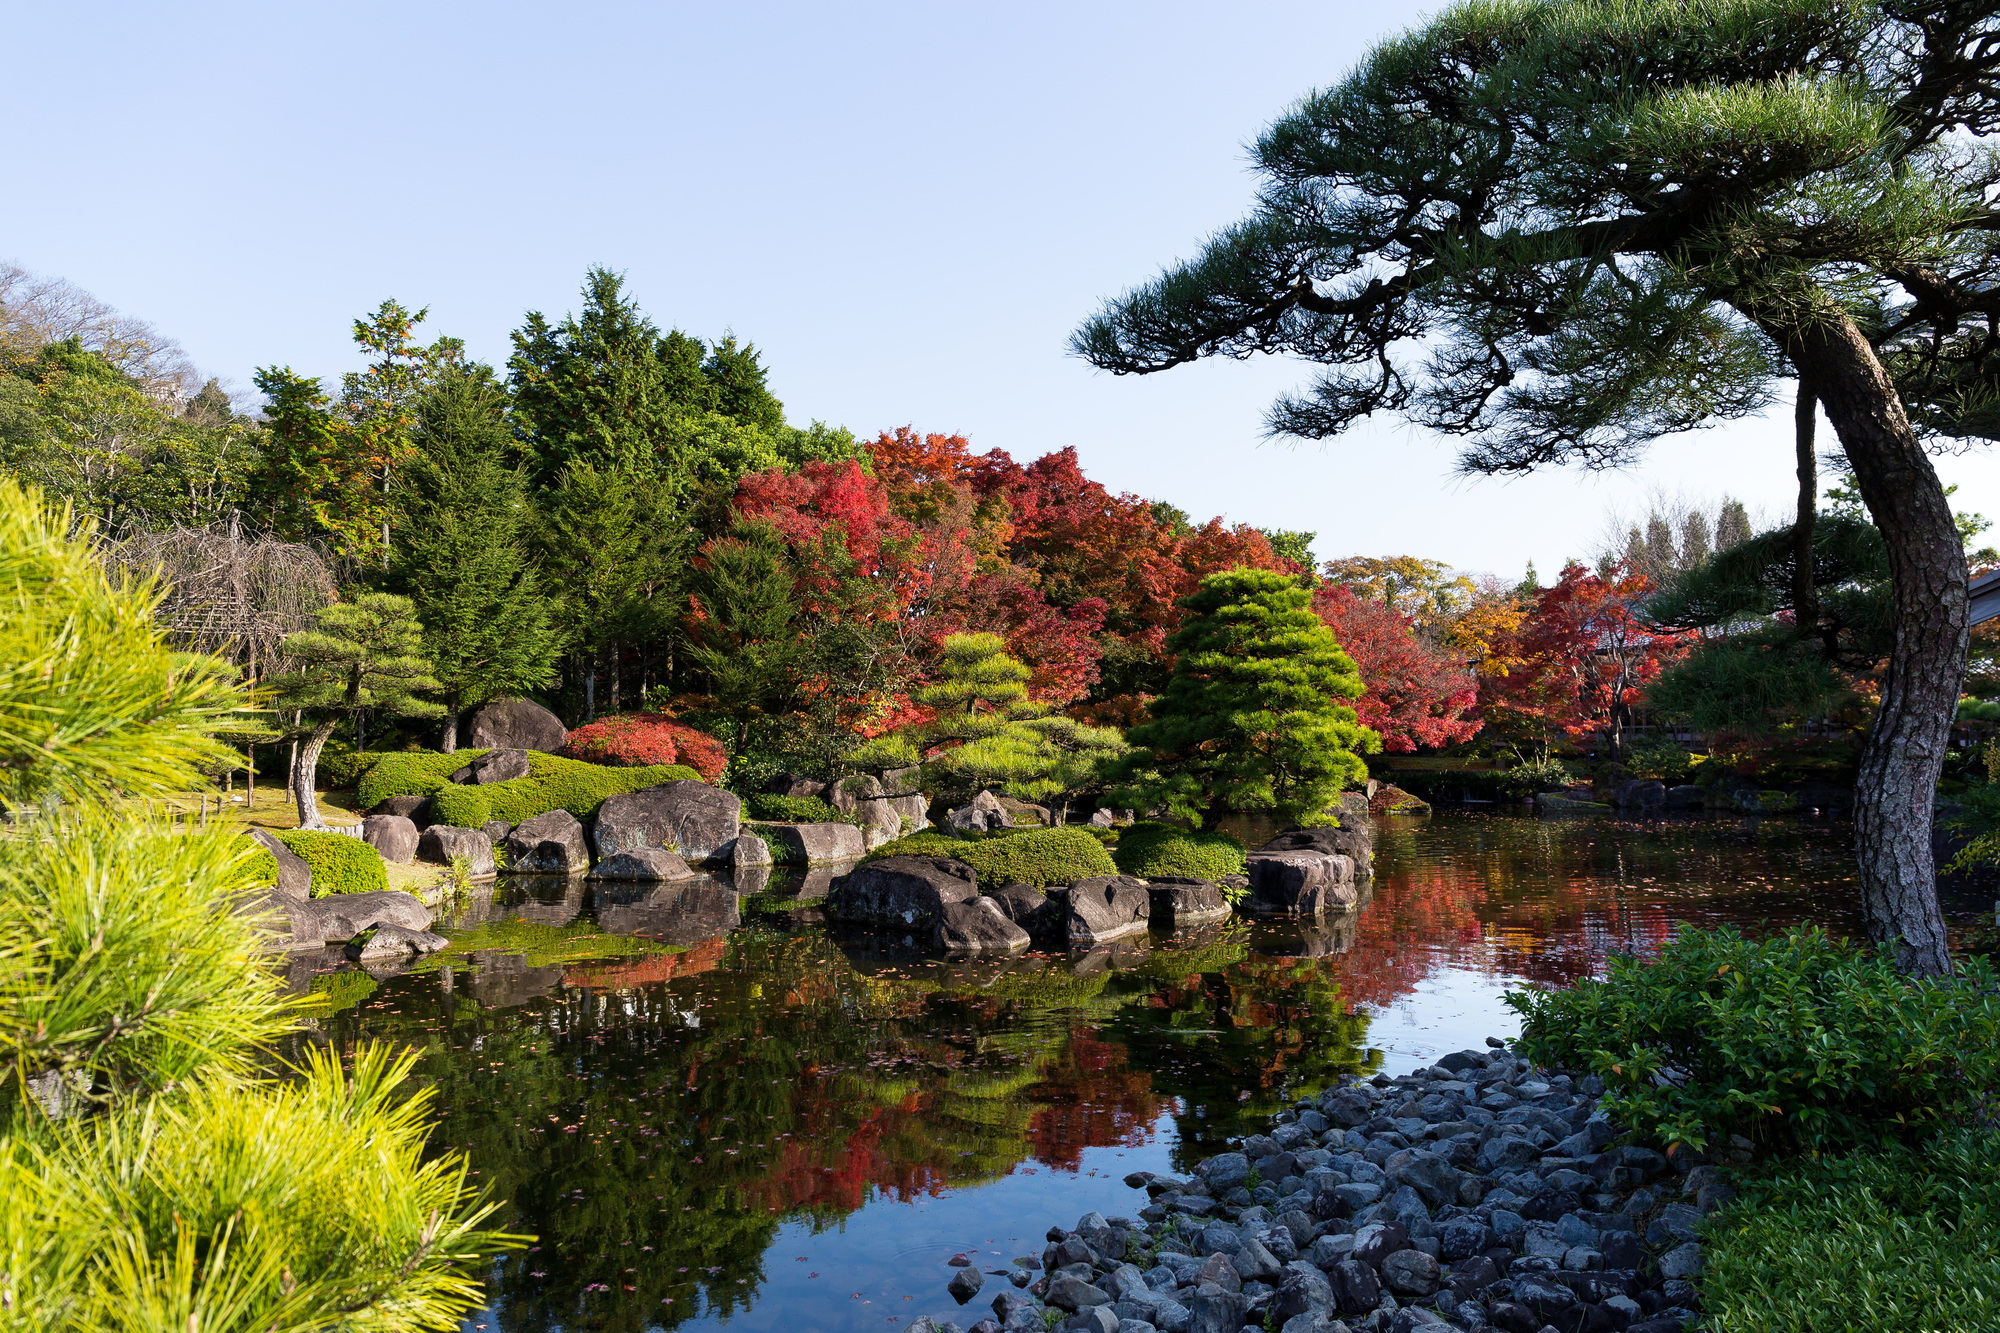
(463, 559)
(741, 635)
(606, 553)
(1251, 718)
(156, 1176)
(1564, 228)
(364, 655)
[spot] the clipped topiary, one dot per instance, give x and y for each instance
(797, 810)
(553, 783)
(1153, 850)
(409, 773)
(640, 740)
(340, 864)
(1040, 857)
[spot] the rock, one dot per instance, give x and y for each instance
(794, 784)
(517, 724)
(1254, 1262)
(1389, 799)
(1224, 1171)
(862, 795)
(689, 817)
(441, 842)
(416, 809)
(1069, 1292)
(1765, 802)
(548, 844)
(1028, 907)
(494, 766)
(1640, 794)
(1549, 1299)
(1024, 813)
(393, 836)
(394, 942)
(1562, 803)
(1356, 1289)
(1410, 1273)
(1300, 883)
(1378, 1240)
(342, 916)
(1102, 819)
(815, 844)
(1107, 907)
(295, 877)
(901, 890)
(982, 814)
(976, 925)
(749, 850)
(1356, 841)
(647, 863)
(1179, 902)
(1683, 1261)
(496, 830)
(965, 1284)
(1686, 796)
(1302, 1290)
(1217, 1311)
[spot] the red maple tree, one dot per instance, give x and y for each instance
(1418, 693)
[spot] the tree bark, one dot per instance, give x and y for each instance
(1805, 593)
(449, 741)
(305, 774)
(1905, 752)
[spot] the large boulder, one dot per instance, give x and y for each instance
(515, 724)
(441, 842)
(692, 818)
(902, 890)
(295, 877)
(341, 916)
(1355, 839)
(976, 925)
(794, 784)
(416, 809)
(1025, 813)
(906, 798)
(749, 850)
(1179, 902)
(647, 863)
(394, 836)
(1299, 883)
(862, 795)
(394, 942)
(982, 814)
(548, 844)
(1107, 907)
(814, 844)
(494, 766)
(1029, 908)
(1640, 794)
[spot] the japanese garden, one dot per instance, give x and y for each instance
(570, 841)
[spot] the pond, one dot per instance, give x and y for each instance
(714, 1111)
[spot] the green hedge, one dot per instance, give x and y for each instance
(1801, 1041)
(797, 810)
(1040, 857)
(553, 783)
(340, 864)
(343, 768)
(1881, 1241)
(1152, 850)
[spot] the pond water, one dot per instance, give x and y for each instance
(714, 1111)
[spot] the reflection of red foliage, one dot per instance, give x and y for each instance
(703, 957)
(1093, 1101)
(1418, 694)
(634, 739)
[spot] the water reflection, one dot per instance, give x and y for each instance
(712, 1105)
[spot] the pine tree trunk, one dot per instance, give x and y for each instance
(305, 775)
(449, 742)
(1906, 747)
(1805, 593)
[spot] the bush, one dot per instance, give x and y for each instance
(340, 864)
(1870, 1242)
(1799, 1041)
(1040, 857)
(639, 740)
(343, 768)
(553, 783)
(797, 810)
(1151, 850)
(1536, 775)
(409, 773)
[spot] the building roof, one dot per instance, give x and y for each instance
(1985, 597)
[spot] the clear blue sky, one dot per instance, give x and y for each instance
(906, 206)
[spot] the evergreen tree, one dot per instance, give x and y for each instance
(463, 558)
(1251, 719)
(737, 376)
(741, 635)
(612, 563)
(364, 656)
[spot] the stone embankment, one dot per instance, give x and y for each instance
(1481, 1193)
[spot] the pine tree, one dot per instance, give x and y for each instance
(612, 561)
(1252, 718)
(741, 626)
(1732, 527)
(463, 559)
(364, 656)
(737, 375)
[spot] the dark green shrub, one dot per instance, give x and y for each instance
(1799, 1041)
(1879, 1241)
(553, 783)
(1040, 857)
(408, 773)
(1151, 850)
(340, 864)
(343, 768)
(797, 810)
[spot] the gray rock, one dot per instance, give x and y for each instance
(496, 830)
(519, 724)
(1028, 907)
(1356, 841)
(394, 836)
(1255, 1263)
(1300, 883)
(1069, 1292)
(1091, 1319)
(976, 925)
(1217, 1311)
(982, 814)
(1683, 1261)
(647, 863)
(1224, 1171)
(1356, 1289)
(901, 890)
(441, 842)
(295, 877)
(1686, 796)
(1178, 903)
(814, 844)
(502, 765)
(394, 942)
(749, 850)
(1107, 907)
(1410, 1273)
(692, 818)
(342, 916)
(416, 809)
(1303, 1289)
(965, 1284)
(794, 784)
(548, 844)
(1640, 793)
(1546, 1297)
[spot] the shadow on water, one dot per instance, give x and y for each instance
(714, 1109)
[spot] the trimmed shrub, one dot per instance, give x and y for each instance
(340, 864)
(1151, 850)
(640, 740)
(1040, 857)
(409, 773)
(1799, 1041)
(1867, 1242)
(344, 768)
(797, 810)
(553, 783)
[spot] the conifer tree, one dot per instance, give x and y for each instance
(463, 558)
(364, 656)
(741, 626)
(1252, 718)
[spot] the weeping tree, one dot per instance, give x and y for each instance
(1564, 229)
